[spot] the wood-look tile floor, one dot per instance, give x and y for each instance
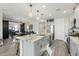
(9, 48)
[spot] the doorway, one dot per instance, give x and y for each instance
(5, 29)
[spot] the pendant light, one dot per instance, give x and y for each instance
(37, 15)
(30, 10)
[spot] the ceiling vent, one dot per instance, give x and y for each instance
(58, 9)
(50, 20)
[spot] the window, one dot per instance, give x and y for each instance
(16, 28)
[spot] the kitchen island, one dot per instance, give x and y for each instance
(32, 45)
(74, 45)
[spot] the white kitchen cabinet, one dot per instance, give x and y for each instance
(74, 46)
(34, 46)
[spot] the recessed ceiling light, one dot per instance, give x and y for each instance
(43, 6)
(37, 18)
(30, 14)
(58, 9)
(65, 11)
(42, 20)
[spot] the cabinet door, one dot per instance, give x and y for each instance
(73, 48)
(37, 48)
(26, 48)
(45, 42)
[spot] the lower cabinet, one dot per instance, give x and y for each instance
(74, 46)
(35, 48)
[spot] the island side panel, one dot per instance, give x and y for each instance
(26, 48)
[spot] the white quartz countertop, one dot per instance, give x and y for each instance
(75, 39)
(30, 38)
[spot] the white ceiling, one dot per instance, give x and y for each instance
(20, 11)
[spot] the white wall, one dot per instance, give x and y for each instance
(66, 26)
(1, 25)
(61, 28)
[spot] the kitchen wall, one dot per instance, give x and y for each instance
(66, 26)
(76, 15)
(1, 25)
(61, 28)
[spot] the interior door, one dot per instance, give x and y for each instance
(5, 29)
(22, 27)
